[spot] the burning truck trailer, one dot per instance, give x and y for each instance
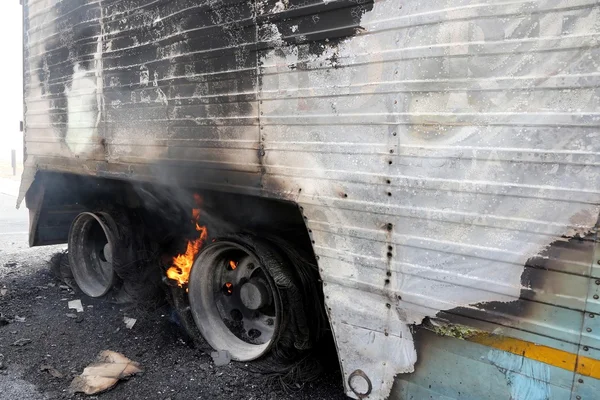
(420, 180)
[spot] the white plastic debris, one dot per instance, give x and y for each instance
(3, 292)
(19, 319)
(76, 305)
(221, 357)
(129, 322)
(104, 373)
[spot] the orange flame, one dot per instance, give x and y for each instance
(233, 264)
(229, 288)
(182, 263)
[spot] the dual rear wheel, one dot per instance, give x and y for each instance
(244, 294)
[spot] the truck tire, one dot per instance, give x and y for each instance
(267, 308)
(104, 256)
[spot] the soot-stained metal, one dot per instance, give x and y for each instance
(462, 137)
(172, 69)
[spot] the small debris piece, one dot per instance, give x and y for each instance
(76, 305)
(64, 287)
(129, 322)
(4, 320)
(221, 357)
(104, 373)
(3, 292)
(51, 370)
(2, 366)
(71, 315)
(19, 319)
(21, 342)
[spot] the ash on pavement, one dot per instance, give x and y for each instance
(172, 369)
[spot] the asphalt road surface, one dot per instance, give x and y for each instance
(35, 303)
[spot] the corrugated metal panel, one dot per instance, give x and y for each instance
(585, 387)
(458, 369)
(441, 150)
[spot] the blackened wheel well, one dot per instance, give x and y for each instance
(164, 215)
(55, 199)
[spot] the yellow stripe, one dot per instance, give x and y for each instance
(588, 367)
(562, 359)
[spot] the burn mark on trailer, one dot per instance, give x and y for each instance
(569, 256)
(313, 22)
(180, 70)
(389, 257)
(72, 48)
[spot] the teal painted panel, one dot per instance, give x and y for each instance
(593, 300)
(407, 390)
(584, 387)
(450, 368)
(590, 335)
(547, 320)
(527, 379)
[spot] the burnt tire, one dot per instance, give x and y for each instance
(107, 241)
(294, 279)
(92, 240)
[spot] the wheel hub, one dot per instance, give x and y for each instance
(234, 301)
(91, 242)
(254, 295)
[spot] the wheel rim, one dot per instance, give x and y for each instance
(91, 250)
(234, 301)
